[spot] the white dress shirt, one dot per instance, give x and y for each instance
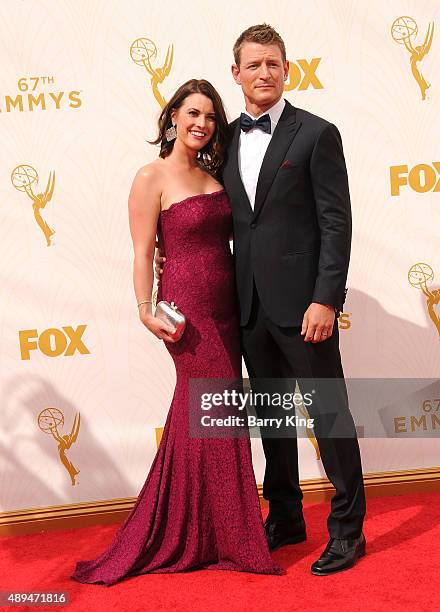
(252, 148)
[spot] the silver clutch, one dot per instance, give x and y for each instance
(171, 314)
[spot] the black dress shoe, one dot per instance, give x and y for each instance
(339, 555)
(280, 534)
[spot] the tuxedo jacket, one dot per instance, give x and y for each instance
(295, 243)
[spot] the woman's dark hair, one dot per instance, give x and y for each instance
(212, 155)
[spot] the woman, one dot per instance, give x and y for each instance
(199, 507)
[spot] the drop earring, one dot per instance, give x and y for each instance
(171, 133)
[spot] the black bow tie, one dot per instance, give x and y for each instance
(263, 123)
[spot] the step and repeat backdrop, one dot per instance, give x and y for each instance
(85, 388)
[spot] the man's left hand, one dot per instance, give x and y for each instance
(318, 322)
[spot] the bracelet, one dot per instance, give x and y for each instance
(146, 302)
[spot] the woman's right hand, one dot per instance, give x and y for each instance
(158, 327)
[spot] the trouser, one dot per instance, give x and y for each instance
(271, 351)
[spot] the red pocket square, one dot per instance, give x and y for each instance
(286, 164)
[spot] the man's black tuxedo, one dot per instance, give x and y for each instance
(296, 241)
(291, 250)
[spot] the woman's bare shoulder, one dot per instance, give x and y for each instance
(152, 172)
(150, 179)
(147, 186)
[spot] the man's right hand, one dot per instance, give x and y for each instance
(158, 262)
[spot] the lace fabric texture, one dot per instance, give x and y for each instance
(199, 506)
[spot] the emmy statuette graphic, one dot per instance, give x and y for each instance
(143, 51)
(419, 275)
(49, 420)
(403, 30)
(23, 178)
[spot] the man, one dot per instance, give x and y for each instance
(286, 178)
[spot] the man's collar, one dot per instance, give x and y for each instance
(274, 111)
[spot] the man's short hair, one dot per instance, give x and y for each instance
(262, 34)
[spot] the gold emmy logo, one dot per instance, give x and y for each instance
(49, 420)
(24, 178)
(419, 275)
(29, 99)
(302, 75)
(403, 30)
(143, 51)
(426, 420)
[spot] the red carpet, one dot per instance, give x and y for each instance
(400, 570)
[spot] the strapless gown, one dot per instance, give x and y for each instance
(199, 506)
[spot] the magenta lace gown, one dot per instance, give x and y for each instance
(199, 507)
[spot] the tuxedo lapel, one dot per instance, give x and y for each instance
(232, 177)
(285, 131)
